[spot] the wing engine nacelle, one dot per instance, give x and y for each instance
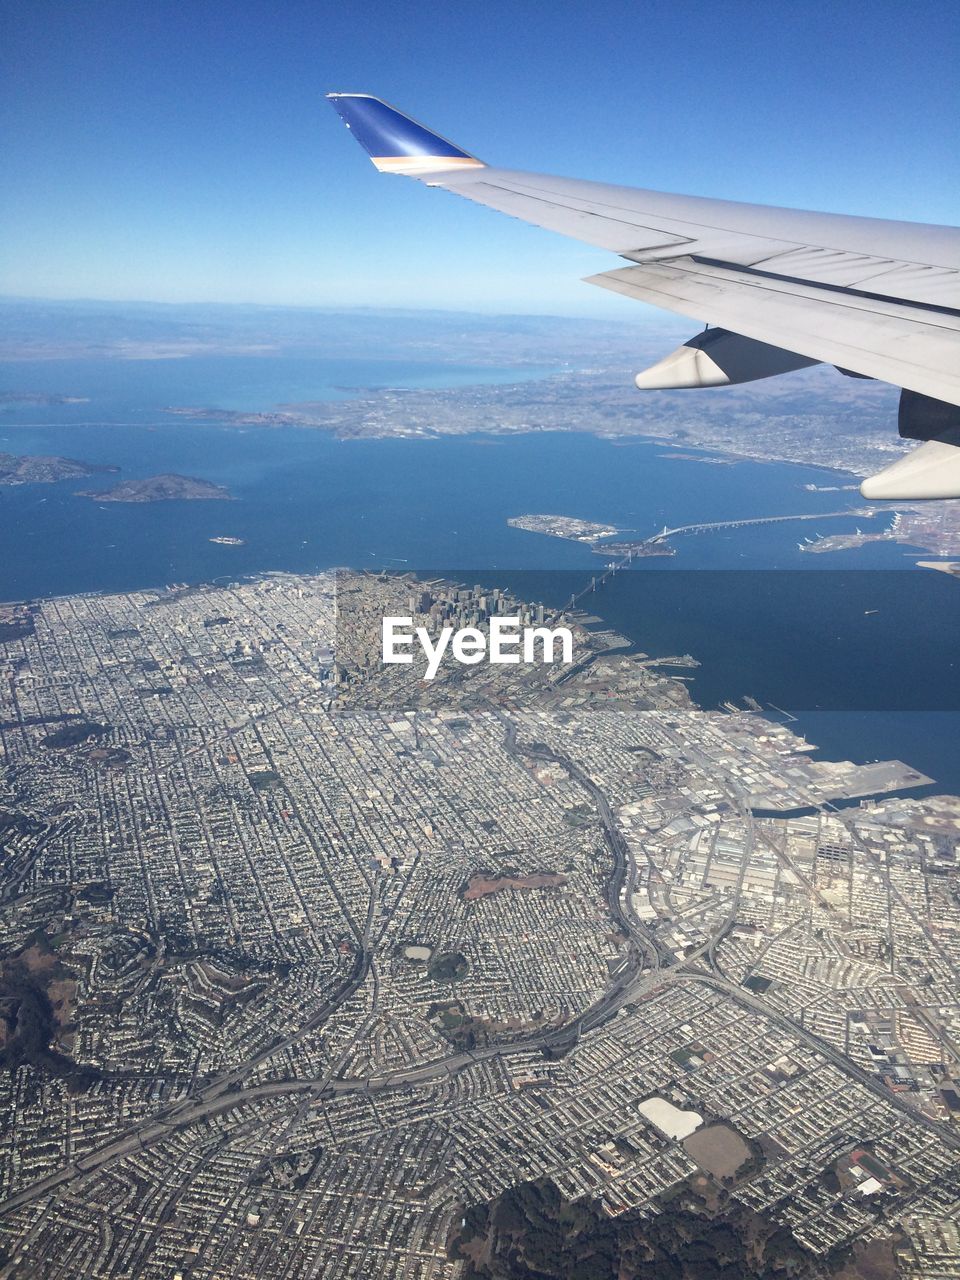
(719, 358)
(933, 469)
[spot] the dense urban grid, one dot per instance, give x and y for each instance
(306, 961)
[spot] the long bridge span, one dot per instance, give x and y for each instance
(710, 526)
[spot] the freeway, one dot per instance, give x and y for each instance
(750, 838)
(222, 1093)
(444, 1069)
(225, 1092)
(649, 966)
(795, 1029)
(622, 878)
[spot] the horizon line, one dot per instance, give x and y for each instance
(7, 299)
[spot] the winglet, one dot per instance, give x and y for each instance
(394, 142)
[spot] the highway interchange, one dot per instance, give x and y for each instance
(648, 966)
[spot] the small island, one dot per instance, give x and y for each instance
(27, 469)
(159, 489)
(568, 527)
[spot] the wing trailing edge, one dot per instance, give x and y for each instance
(789, 287)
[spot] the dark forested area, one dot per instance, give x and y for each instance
(531, 1233)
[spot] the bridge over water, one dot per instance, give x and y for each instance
(709, 526)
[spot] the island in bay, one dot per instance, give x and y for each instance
(158, 489)
(568, 527)
(28, 469)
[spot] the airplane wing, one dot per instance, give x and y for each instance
(781, 288)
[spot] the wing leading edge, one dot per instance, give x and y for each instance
(783, 288)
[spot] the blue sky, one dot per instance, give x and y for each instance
(183, 152)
